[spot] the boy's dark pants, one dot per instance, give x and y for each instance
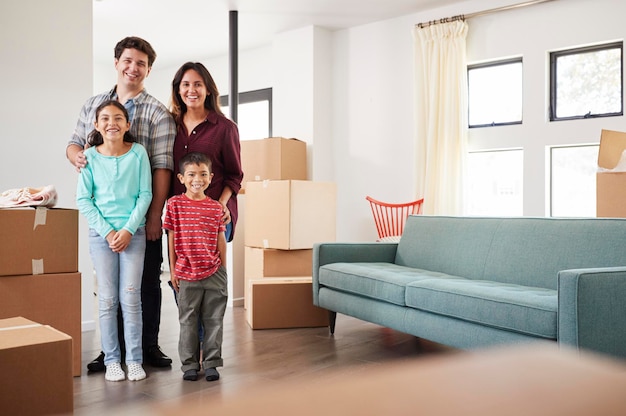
(205, 300)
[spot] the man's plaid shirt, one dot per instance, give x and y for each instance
(152, 125)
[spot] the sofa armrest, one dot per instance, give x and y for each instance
(326, 253)
(592, 309)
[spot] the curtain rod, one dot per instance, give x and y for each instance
(481, 13)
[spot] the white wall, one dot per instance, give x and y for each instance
(46, 69)
(373, 131)
(373, 106)
(373, 98)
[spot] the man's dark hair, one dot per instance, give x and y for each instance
(133, 42)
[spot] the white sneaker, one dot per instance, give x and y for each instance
(114, 372)
(136, 372)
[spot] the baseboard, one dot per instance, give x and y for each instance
(88, 326)
(237, 302)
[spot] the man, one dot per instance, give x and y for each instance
(153, 126)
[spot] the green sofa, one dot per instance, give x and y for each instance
(472, 282)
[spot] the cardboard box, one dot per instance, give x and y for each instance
(290, 215)
(260, 263)
(50, 299)
(263, 263)
(38, 240)
(283, 303)
(36, 363)
(611, 178)
(273, 158)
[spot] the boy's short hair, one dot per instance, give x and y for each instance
(193, 158)
(133, 42)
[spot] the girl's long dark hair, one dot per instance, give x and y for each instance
(95, 137)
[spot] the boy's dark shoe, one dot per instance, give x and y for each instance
(97, 365)
(154, 356)
(190, 375)
(211, 374)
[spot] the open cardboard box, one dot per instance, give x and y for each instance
(611, 176)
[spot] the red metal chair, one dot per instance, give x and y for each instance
(390, 218)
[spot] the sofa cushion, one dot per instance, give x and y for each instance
(527, 310)
(383, 281)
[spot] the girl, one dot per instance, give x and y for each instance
(114, 192)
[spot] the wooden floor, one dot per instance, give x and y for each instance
(252, 358)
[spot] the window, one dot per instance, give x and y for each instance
(254, 114)
(495, 180)
(495, 93)
(586, 82)
(573, 181)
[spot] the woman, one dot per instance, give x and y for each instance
(202, 127)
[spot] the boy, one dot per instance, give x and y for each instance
(197, 251)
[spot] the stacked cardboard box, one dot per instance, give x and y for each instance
(39, 276)
(285, 302)
(273, 158)
(36, 363)
(285, 215)
(263, 263)
(289, 214)
(611, 176)
(38, 240)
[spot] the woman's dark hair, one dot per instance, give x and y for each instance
(212, 102)
(193, 158)
(95, 137)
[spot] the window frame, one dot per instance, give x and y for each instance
(264, 94)
(576, 51)
(500, 62)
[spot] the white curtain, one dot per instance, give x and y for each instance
(441, 103)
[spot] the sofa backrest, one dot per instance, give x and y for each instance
(521, 250)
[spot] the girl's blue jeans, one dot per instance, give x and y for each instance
(118, 276)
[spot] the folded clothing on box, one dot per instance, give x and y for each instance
(44, 197)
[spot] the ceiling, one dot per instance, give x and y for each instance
(184, 30)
